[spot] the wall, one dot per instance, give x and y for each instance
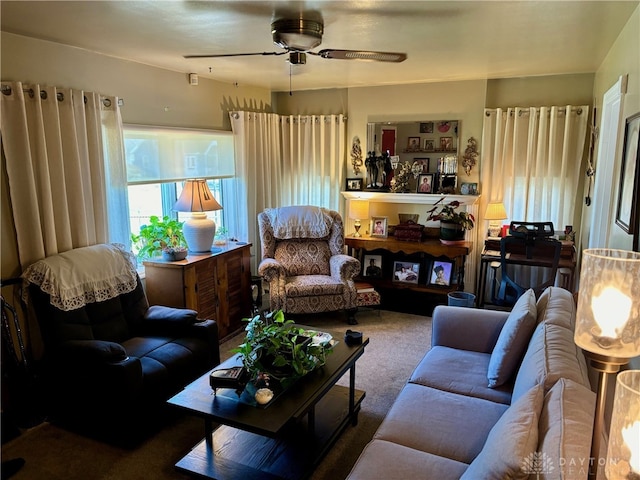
(623, 58)
(152, 96)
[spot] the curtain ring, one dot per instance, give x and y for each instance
(6, 89)
(106, 102)
(43, 94)
(60, 96)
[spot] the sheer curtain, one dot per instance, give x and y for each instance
(56, 143)
(531, 161)
(284, 160)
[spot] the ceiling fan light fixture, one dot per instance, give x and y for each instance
(297, 34)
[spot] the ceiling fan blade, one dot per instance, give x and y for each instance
(362, 55)
(220, 55)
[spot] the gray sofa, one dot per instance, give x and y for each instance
(500, 395)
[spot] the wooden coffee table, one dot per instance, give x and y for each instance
(288, 438)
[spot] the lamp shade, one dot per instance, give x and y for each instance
(608, 312)
(495, 211)
(623, 454)
(198, 230)
(358, 209)
(196, 197)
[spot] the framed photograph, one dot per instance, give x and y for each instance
(441, 273)
(627, 208)
(354, 184)
(426, 127)
(429, 145)
(446, 143)
(424, 162)
(379, 227)
(372, 266)
(469, 189)
(414, 143)
(425, 183)
(406, 272)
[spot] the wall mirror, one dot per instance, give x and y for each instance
(405, 150)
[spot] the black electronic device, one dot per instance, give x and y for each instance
(234, 377)
(531, 230)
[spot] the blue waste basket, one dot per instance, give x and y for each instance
(461, 299)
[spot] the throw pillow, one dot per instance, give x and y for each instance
(511, 443)
(513, 340)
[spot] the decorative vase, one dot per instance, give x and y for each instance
(451, 233)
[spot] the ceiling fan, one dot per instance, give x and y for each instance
(298, 36)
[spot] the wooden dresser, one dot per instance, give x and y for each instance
(217, 285)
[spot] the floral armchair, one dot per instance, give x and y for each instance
(304, 263)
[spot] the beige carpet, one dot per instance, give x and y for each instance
(397, 342)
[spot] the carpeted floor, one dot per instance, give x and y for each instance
(397, 342)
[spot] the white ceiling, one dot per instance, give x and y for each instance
(444, 40)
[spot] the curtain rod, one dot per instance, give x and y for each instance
(303, 118)
(525, 110)
(7, 90)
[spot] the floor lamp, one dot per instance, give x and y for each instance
(623, 454)
(607, 323)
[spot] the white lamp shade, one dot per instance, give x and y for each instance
(358, 209)
(608, 312)
(623, 454)
(495, 211)
(198, 230)
(196, 197)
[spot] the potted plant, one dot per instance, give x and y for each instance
(453, 224)
(160, 237)
(277, 347)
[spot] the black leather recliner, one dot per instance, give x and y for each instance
(111, 364)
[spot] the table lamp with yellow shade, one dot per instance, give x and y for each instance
(494, 213)
(358, 210)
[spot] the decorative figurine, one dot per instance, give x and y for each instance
(470, 155)
(356, 155)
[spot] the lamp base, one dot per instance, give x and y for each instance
(494, 230)
(199, 231)
(357, 226)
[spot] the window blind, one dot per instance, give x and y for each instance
(163, 154)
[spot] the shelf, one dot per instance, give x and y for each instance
(453, 152)
(416, 198)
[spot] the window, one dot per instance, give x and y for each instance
(158, 159)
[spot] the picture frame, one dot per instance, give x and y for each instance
(429, 145)
(425, 183)
(426, 127)
(469, 189)
(406, 272)
(413, 143)
(424, 162)
(379, 227)
(446, 144)
(354, 184)
(372, 266)
(440, 273)
(627, 209)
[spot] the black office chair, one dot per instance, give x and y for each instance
(541, 253)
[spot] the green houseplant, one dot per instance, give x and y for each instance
(453, 224)
(160, 236)
(277, 347)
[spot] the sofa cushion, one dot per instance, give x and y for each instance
(513, 340)
(304, 257)
(459, 371)
(442, 423)
(552, 354)
(511, 442)
(313, 285)
(556, 305)
(382, 459)
(565, 422)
